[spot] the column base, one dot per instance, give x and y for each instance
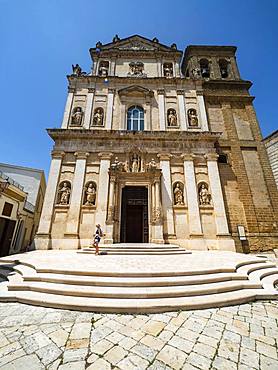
(157, 241)
(42, 242)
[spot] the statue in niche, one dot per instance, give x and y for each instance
(103, 69)
(168, 70)
(178, 195)
(196, 73)
(174, 46)
(135, 163)
(172, 117)
(98, 117)
(90, 195)
(204, 195)
(76, 117)
(152, 165)
(64, 193)
(192, 117)
(117, 165)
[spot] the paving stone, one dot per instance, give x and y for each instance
(99, 333)
(76, 365)
(221, 363)
(204, 350)
(101, 347)
(73, 355)
(228, 350)
(115, 337)
(187, 334)
(77, 343)
(208, 340)
(152, 342)
(263, 338)
(132, 362)
(180, 343)
(153, 327)
(59, 337)
(48, 354)
(157, 365)
(11, 356)
(144, 351)
(249, 357)
(115, 355)
(4, 351)
(267, 363)
(80, 331)
(34, 342)
(55, 364)
(92, 358)
(248, 342)
(172, 357)
(127, 343)
(165, 335)
(233, 337)
(201, 362)
(29, 362)
(266, 350)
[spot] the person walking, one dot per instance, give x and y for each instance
(97, 237)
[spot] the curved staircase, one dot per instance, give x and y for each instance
(30, 281)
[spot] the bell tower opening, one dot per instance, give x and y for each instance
(134, 215)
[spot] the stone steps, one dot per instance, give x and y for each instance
(136, 284)
(134, 292)
(142, 305)
(120, 281)
(135, 249)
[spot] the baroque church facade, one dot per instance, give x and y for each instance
(160, 146)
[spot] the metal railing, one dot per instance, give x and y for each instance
(11, 181)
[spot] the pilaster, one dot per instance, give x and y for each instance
(89, 105)
(109, 112)
(182, 112)
(202, 111)
(73, 218)
(68, 107)
(195, 227)
(48, 205)
(161, 109)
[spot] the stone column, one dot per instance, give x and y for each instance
(43, 235)
(88, 110)
(181, 104)
(109, 111)
(217, 195)
(148, 123)
(111, 210)
(167, 198)
(161, 109)
(195, 227)
(73, 218)
(102, 193)
(157, 229)
(68, 108)
(202, 111)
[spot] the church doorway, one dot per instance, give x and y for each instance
(134, 215)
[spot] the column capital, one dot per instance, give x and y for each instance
(180, 92)
(111, 91)
(91, 90)
(71, 89)
(188, 157)
(211, 157)
(160, 91)
(164, 156)
(105, 155)
(57, 154)
(81, 155)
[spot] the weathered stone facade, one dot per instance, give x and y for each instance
(159, 147)
(271, 144)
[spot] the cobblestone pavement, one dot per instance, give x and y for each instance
(239, 337)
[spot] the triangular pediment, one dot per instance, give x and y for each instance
(136, 43)
(135, 90)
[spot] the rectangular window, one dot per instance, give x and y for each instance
(7, 210)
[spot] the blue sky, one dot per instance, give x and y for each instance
(40, 39)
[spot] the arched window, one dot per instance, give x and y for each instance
(204, 66)
(135, 118)
(223, 65)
